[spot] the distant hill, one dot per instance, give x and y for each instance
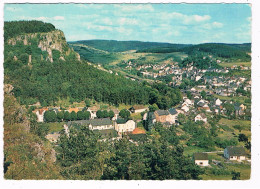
(229, 51)
(234, 52)
(121, 46)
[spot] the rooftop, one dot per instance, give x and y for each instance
(200, 156)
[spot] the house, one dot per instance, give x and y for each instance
(164, 116)
(239, 109)
(138, 109)
(235, 153)
(201, 117)
(201, 159)
(93, 110)
(185, 108)
(40, 114)
(94, 124)
(189, 102)
(123, 126)
(218, 102)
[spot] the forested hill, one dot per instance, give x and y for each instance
(120, 46)
(232, 51)
(42, 67)
(15, 28)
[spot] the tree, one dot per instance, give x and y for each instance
(105, 114)
(153, 108)
(50, 116)
(73, 116)
(60, 116)
(189, 95)
(87, 103)
(230, 109)
(99, 114)
(203, 94)
(67, 116)
(80, 115)
(86, 115)
(235, 175)
(124, 113)
(242, 138)
(111, 114)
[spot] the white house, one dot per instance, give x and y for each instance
(40, 114)
(201, 117)
(185, 108)
(201, 159)
(189, 102)
(235, 153)
(122, 126)
(218, 102)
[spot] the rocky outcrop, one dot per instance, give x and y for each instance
(54, 40)
(8, 89)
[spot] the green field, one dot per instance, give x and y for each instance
(240, 99)
(230, 64)
(55, 127)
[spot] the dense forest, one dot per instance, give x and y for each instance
(47, 82)
(234, 52)
(14, 28)
(153, 159)
(221, 50)
(120, 46)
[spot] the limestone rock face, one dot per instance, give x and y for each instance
(49, 41)
(8, 88)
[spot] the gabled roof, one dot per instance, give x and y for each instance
(162, 112)
(200, 156)
(172, 111)
(236, 151)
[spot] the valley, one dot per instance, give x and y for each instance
(124, 110)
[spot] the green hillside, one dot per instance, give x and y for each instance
(120, 46)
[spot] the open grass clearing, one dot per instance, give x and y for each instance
(230, 64)
(55, 127)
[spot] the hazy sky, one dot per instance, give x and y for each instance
(174, 23)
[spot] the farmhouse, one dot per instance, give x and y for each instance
(164, 116)
(123, 126)
(201, 159)
(235, 153)
(201, 117)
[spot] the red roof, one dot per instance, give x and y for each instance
(138, 131)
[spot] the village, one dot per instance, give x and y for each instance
(214, 96)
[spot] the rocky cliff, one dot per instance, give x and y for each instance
(48, 42)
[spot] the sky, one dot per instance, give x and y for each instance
(173, 23)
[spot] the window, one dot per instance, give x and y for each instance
(231, 157)
(201, 163)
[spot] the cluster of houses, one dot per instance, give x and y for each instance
(232, 153)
